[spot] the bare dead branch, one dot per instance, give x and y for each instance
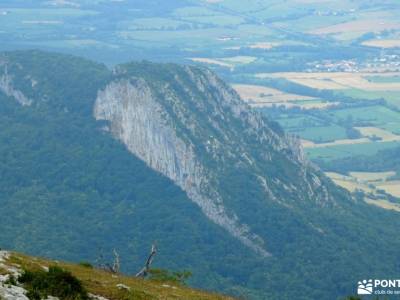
(106, 266)
(116, 265)
(145, 270)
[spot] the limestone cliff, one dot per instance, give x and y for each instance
(7, 87)
(193, 126)
(140, 123)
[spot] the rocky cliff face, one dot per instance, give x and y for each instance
(139, 121)
(7, 86)
(193, 126)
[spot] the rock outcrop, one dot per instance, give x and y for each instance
(7, 87)
(191, 127)
(139, 121)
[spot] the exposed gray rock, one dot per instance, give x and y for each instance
(139, 121)
(96, 297)
(123, 287)
(8, 291)
(12, 292)
(7, 87)
(193, 127)
(4, 255)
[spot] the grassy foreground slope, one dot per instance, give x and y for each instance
(105, 284)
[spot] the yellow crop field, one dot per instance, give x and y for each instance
(212, 62)
(383, 204)
(359, 26)
(263, 45)
(389, 43)
(369, 182)
(228, 62)
(361, 83)
(260, 96)
(348, 183)
(327, 84)
(311, 144)
(372, 176)
(384, 135)
(239, 59)
(264, 94)
(338, 80)
(390, 187)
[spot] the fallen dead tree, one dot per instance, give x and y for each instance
(109, 267)
(145, 270)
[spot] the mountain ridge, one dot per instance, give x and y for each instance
(83, 170)
(151, 138)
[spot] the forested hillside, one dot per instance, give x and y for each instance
(71, 188)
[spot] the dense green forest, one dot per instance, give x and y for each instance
(69, 190)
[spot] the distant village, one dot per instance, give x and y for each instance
(383, 63)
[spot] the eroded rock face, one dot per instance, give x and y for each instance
(140, 122)
(7, 87)
(192, 128)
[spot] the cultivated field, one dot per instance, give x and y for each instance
(263, 94)
(383, 204)
(348, 182)
(239, 59)
(392, 43)
(372, 176)
(311, 144)
(374, 132)
(368, 182)
(348, 150)
(390, 187)
(339, 80)
(228, 62)
(212, 62)
(358, 27)
(260, 96)
(263, 45)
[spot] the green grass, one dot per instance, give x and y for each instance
(196, 37)
(102, 283)
(218, 20)
(245, 6)
(342, 151)
(383, 79)
(312, 22)
(374, 115)
(38, 24)
(19, 17)
(290, 122)
(322, 134)
(315, 101)
(192, 11)
(360, 94)
(392, 127)
(75, 44)
(392, 97)
(152, 23)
